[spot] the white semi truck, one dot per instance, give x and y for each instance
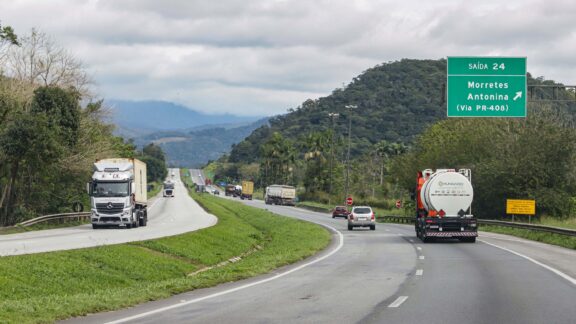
(118, 193)
(168, 189)
(280, 195)
(443, 205)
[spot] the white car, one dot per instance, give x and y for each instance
(361, 216)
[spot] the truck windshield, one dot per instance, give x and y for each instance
(168, 185)
(110, 189)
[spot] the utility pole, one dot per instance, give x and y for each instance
(347, 187)
(332, 116)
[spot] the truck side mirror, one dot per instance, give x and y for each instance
(132, 187)
(88, 187)
(413, 195)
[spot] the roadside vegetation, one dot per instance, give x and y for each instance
(399, 127)
(549, 238)
(50, 286)
(52, 129)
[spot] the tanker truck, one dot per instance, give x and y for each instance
(443, 205)
(118, 193)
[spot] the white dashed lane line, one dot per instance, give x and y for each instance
(398, 302)
(419, 272)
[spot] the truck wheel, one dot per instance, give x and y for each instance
(95, 226)
(143, 220)
(350, 227)
(424, 237)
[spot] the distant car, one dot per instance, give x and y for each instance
(340, 211)
(361, 216)
(216, 192)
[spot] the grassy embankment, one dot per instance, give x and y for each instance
(57, 285)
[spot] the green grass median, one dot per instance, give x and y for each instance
(46, 287)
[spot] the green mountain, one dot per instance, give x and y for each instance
(395, 102)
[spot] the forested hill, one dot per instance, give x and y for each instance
(395, 101)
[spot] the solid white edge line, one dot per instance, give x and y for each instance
(193, 301)
(398, 302)
(419, 272)
(547, 267)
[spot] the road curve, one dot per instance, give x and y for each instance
(166, 217)
(382, 276)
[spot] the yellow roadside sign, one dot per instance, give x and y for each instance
(520, 207)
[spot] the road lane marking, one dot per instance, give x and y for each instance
(547, 267)
(421, 257)
(398, 302)
(419, 248)
(193, 301)
(419, 272)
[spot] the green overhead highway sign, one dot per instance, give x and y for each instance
(486, 87)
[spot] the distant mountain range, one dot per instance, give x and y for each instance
(137, 118)
(189, 138)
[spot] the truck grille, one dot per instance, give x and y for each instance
(110, 219)
(110, 208)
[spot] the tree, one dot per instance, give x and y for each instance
(62, 109)
(154, 151)
(316, 148)
(7, 38)
(41, 61)
(277, 160)
(27, 141)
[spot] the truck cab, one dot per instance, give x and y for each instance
(168, 189)
(118, 193)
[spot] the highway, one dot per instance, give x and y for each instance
(198, 176)
(166, 217)
(386, 276)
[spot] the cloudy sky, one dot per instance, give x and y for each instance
(261, 57)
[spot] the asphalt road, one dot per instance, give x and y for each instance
(198, 176)
(166, 217)
(385, 276)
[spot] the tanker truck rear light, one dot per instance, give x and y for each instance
(430, 221)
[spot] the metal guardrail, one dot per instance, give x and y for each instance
(531, 227)
(54, 217)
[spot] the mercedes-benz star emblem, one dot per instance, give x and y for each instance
(109, 205)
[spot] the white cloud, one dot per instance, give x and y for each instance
(262, 57)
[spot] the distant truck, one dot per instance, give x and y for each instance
(443, 205)
(247, 190)
(168, 189)
(229, 190)
(118, 193)
(237, 191)
(280, 195)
